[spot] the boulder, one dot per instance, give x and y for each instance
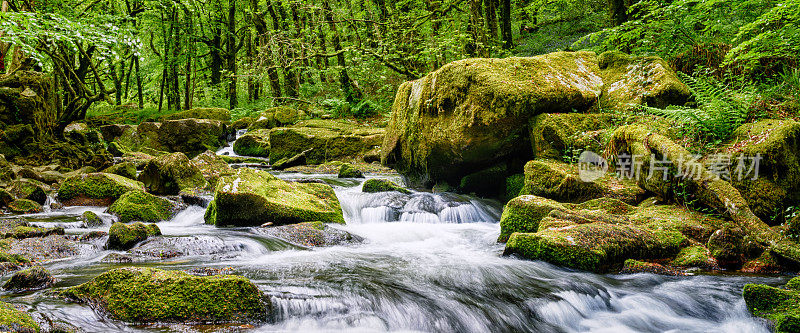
(25, 206)
(29, 189)
(632, 266)
(91, 219)
(124, 169)
(562, 182)
(328, 140)
(201, 113)
(695, 256)
(277, 117)
(311, 234)
(775, 304)
(123, 236)
(192, 136)
(296, 160)
(170, 174)
(27, 231)
(6, 171)
(14, 320)
(33, 278)
(142, 206)
(252, 197)
(147, 295)
(474, 114)
(5, 198)
(347, 170)
(253, 143)
(382, 185)
(95, 189)
(212, 167)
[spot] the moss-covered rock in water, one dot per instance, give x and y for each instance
(91, 219)
(5, 198)
(26, 231)
(695, 256)
(474, 113)
(25, 206)
(141, 206)
(727, 246)
(767, 263)
(29, 189)
(777, 184)
(523, 214)
(252, 197)
(327, 140)
(781, 306)
(253, 143)
(347, 170)
(212, 167)
(562, 182)
(170, 174)
(96, 189)
(192, 136)
(14, 320)
(123, 236)
(6, 171)
(311, 234)
(146, 295)
(632, 266)
(124, 169)
(382, 185)
(33, 278)
(201, 113)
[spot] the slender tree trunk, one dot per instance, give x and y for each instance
(491, 19)
(476, 25)
(231, 53)
(190, 57)
(291, 81)
(505, 24)
(351, 92)
(322, 61)
(3, 46)
(216, 57)
(139, 89)
(618, 11)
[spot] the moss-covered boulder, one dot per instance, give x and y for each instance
(695, 256)
(324, 140)
(6, 171)
(382, 185)
(27, 231)
(781, 306)
(311, 234)
(29, 189)
(251, 198)
(201, 113)
(170, 174)
(124, 169)
(554, 135)
(5, 198)
(212, 167)
(523, 214)
(14, 320)
(347, 170)
(146, 295)
(475, 113)
(141, 206)
(253, 143)
(33, 278)
(192, 136)
(563, 182)
(123, 236)
(91, 219)
(96, 189)
(25, 206)
(632, 266)
(277, 117)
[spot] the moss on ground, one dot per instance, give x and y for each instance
(141, 206)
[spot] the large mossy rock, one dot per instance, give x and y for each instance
(201, 113)
(781, 306)
(29, 189)
(141, 206)
(473, 114)
(311, 234)
(382, 185)
(601, 233)
(33, 278)
(123, 236)
(124, 169)
(327, 140)
(147, 295)
(212, 166)
(562, 182)
(189, 136)
(277, 117)
(253, 143)
(14, 320)
(96, 189)
(170, 174)
(252, 197)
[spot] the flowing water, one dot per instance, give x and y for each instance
(429, 263)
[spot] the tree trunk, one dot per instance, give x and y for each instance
(322, 61)
(351, 92)
(291, 81)
(618, 11)
(476, 25)
(231, 53)
(505, 24)
(3, 46)
(491, 19)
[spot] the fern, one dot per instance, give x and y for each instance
(718, 112)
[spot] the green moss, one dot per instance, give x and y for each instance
(212, 167)
(632, 266)
(192, 136)
(91, 219)
(523, 214)
(124, 236)
(104, 186)
(24, 231)
(15, 320)
(484, 182)
(124, 169)
(347, 170)
(694, 256)
(141, 206)
(170, 174)
(382, 185)
(5, 198)
(554, 135)
(781, 306)
(727, 246)
(153, 295)
(24, 206)
(286, 115)
(562, 182)
(33, 278)
(327, 140)
(514, 184)
(201, 113)
(251, 198)
(253, 143)
(28, 189)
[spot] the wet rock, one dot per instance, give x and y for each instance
(95, 189)
(123, 236)
(296, 160)
(170, 174)
(242, 123)
(29, 189)
(139, 295)
(726, 245)
(192, 136)
(349, 171)
(767, 263)
(118, 258)
(330, 140)
(251, 198)
(695, 256)
(634, 266)
(91, 219)
(201, 113)
(277, 117)
(209, 271)
(124, 169)
(25, 231)
(6, 171)
(212, 167)
(34, 278)
(562, 182)
(25, 206)
(253, 143)
(142, 206)
(41, 249)
(5, 198)
(382, 185)
(14, 320)
(311, 234)
(92, 235)
(777, 305)
(174, 247)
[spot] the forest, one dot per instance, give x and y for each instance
(399, 165)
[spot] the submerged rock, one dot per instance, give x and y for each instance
(124, 236)
(146, 295)
(33, 278)
(14, 320)
(311, 234)
(775, 304)
(347, 170)
(252, 198)
(95, 189)
(327, 140)
(382, 185)
(170, 174)
(253, 143)
(142, 206)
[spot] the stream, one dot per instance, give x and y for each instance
(429, 263)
